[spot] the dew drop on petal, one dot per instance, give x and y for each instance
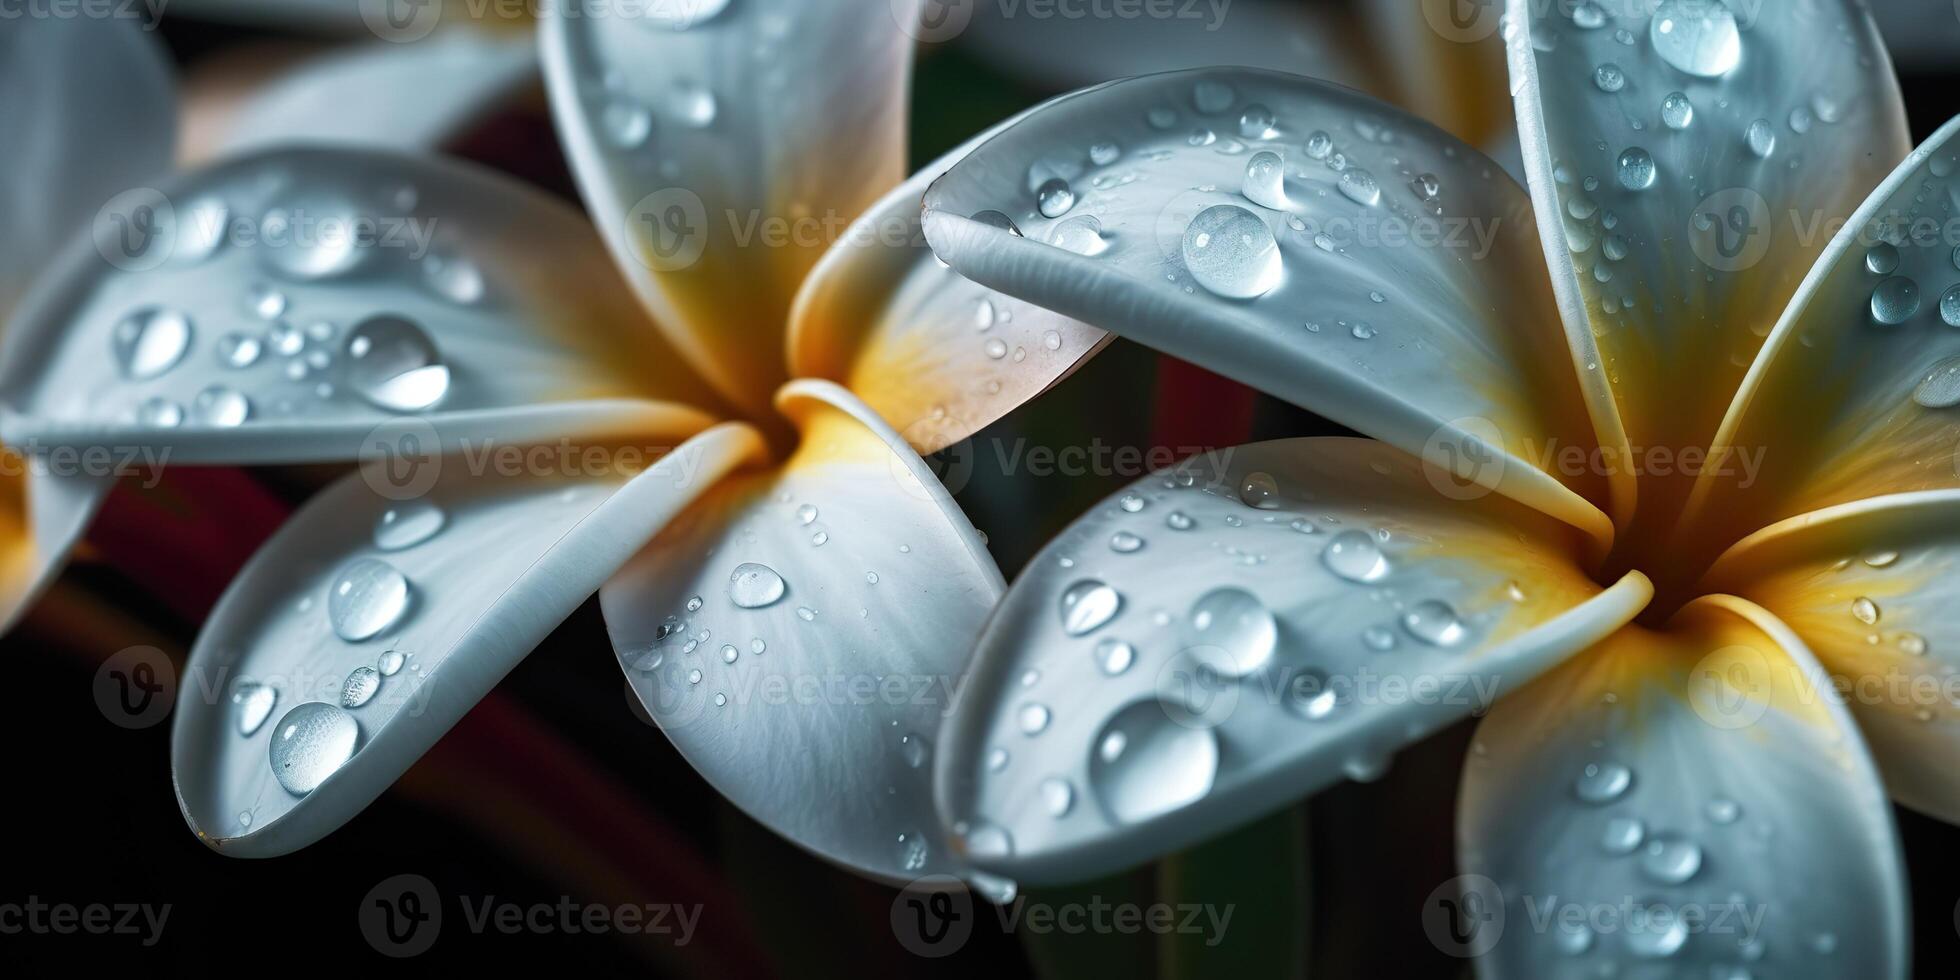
(1231, 252)
(1114, 656)
(150, 341)
(1434, 622)
(1354, 555)
(1600, 783)
(1087, 605)
(254, 702)
(1677, 112)
(1699, 37)
(1233, 633)
(1670, 859)
(311, 743)
(393, 363)
(407, 524)
(1265, 180)
(1895, 300)
(1940, 388)
(360, 687)
(1143, 764)
(755, 586)
(366, 597)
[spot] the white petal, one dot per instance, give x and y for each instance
(90, 110)
(936, 355)
(512, 557)
(1871, 587)
(719, 159)
(265, 256)
(1379, 306)
(1681, 803)
(1248, 627)
(799, 632)
(1673, 249)
(402, 96)
(1843, 403)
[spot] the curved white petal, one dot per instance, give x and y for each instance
(1871, 587)
(1419, 319)
(1069, 52)
(1676, 228)
(513, 556)
(936, 355)
(325, 265)
(1843, 403)
(90, 109)
(720, 157)
(405, 96)
(1690, 802)
(1243, 629)
(799, 632)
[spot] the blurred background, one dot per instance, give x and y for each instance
(555, 789)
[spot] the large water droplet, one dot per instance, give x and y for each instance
(1081, 234)
(1353, 555)
(1265, 180)
(1950, 306)
(1359, 186)
(313, 238)
(1670, 858)
(754, 586)
(1636, 169)
(1087, 605)
(1054, 197)
(311, 743)
(1882, 258)
(1941, 386)
(408, 524)
(150, 341)
(254, 702)
(360, 687)
(1895, 300)
(1761, 137)
(1677, 112)
(1259, 491)
(1433, 622)
(1233, 633)
(1696, 36)
(1231, 252)
(367, 596)
(1865, 610)
(1143, 764)
(394, 364)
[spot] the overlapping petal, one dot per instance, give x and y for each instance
(800, 630)
(375, 618)
(1682, 802)
(1680, 156)
(721, 154)
(935, 354)
(1378, 271)
(282, 306)
(1854, 395)
(1870, 586)
(1249, 626)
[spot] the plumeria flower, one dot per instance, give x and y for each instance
(791, 592)
(1664, 502)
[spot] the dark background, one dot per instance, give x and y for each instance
(554, 787)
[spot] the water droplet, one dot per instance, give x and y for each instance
(1055, 197)
(1309, 695)
(1231, 252)
(915, 750)
(1602, 782)
(1670, 859)
(1178, 520)
(1636, 169)
(1319, 144)
(220, 407)
(268, 303)
(1426, 186)
(693, 104)
(912, 851)
(1950, 306)
(1864, 610)
(1353, 555)
(1233, 632)
(806, 614)
(1124, 542)
(254, 702)
(313, 238)
(239, 350)
(1723, 811)
(995, 219)
(1696, 36)
(1434, 622)
(1941, 386)
(150, 342)
(1609, 77)
(755, 586)
(1882, 258)
(694, 604)
(1088, 604)
(1676, 111)
(311, 743)
(1622, 835)
(1114, 656)
(1259, 491)
(1033, 719)
(626, 123)
(1761, 138)
(367, 596)
(408, 524)
(1145, 764)
(391, 662)
(1654, 930)
(454, 278)
(1058, 796)
(1082, 235)
(1104, 154)
(1265, 180)
(360, 687)
(997, 759)
(1359, 186)
(729, 654)
(1895, 300)
(394, 364)
(1131, 503)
